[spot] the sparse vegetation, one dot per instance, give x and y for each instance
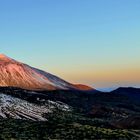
(60, 126)
(25, 130)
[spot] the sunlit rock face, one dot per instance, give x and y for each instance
(17, 74)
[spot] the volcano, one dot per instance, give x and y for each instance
(16, 74)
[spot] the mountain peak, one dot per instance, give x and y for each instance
(17, 74)
(3, 56)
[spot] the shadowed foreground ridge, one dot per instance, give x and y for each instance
(68, 114)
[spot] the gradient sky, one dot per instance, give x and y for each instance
(95, 42)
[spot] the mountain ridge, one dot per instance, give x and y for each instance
(16, 74)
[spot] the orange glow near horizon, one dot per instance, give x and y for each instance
(107, 77)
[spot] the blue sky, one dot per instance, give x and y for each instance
(95, 42)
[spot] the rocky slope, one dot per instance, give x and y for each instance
(17, 74)
(12, 107)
